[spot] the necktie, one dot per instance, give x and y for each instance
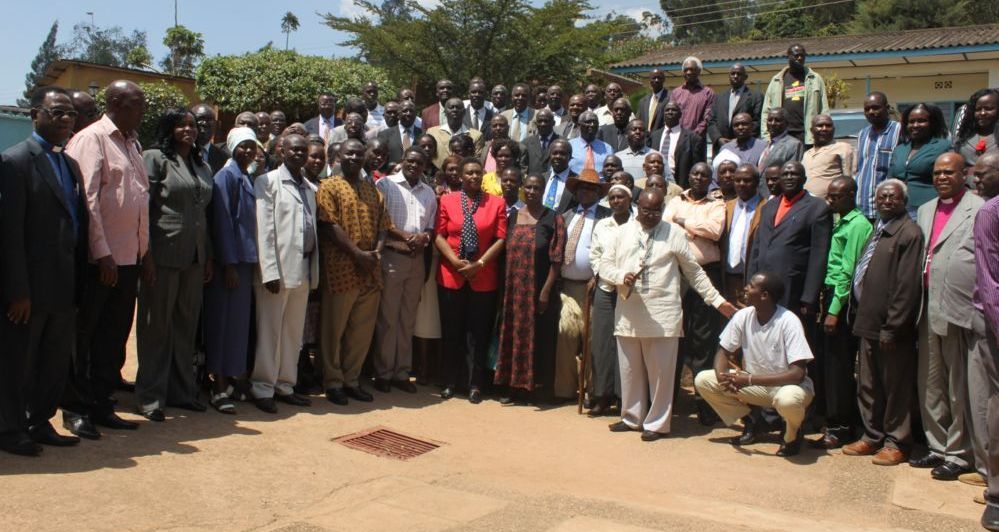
(764, 155)
(864, 262)
(515, 134)
(573, 243)
(552, 191)
(664, 146)
(475, 119)
(588, 162)
(406, 141)
(653, 107)
(544, 145)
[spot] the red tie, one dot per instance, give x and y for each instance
(588, 163)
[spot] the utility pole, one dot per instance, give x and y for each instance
(175, 23)
(91, 13)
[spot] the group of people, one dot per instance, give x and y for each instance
(488, 243)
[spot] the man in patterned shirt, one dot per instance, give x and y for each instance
(352, 226)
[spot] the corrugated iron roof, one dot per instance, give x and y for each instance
(893, 41)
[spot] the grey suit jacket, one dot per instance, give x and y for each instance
(178, 208)
(567, 129)
(531, 127)
(392, 138)
(787, 148)
(534, 160)
(952, 264)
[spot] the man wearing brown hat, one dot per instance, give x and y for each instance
(577, 274)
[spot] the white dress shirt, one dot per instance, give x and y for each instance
(376, 118)
(480, 116)
(579, 268)
(742, 215)
(326, 126)
(674, 139)
(557, 181)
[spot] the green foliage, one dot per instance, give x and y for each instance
(160, 96)
(139, 57)
(837, 90)
(276, 79)
(888, 15)
(703, 21)
(802, 22)
(186, 49)
(511, 40)
(289, 23)
(47, 53)
(108, 46)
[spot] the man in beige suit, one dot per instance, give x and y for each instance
(289, 268)
(454, 114)
(945, 325)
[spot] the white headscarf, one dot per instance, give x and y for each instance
(239, 135)
(725, 155)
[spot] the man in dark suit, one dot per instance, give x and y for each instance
(569, 128)
(403, 135)
(433, 115)
(534, 150)
(43, 246)
(651, 106)
(477, 114)
(742, 219)
(792, 241)
(616, 134)
(214, 155)
(782, 147)
(681, 148)
(556, 196)
(323, 123)
(738, 99)
(887, 286)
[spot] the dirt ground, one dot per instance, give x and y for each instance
(498, 468)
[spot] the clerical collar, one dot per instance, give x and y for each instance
(46, 145)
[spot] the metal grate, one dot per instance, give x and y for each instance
(381, 441)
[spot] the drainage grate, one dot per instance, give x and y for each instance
(381, 441)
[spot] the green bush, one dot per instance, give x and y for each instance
(276, 79)
(160, 96)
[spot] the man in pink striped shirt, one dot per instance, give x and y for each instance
(117, 198)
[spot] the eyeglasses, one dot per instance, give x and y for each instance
(57, 114)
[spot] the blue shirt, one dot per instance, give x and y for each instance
(874, 150)
(600, 152)
(69, 193)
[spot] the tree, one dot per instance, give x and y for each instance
(890, 15)
(108, 46)
(160, 96)
(277, 79)
(139, 57)
(186, 49)
(513, 40)
(47, 53)
(795, 18)
(837, 90)
(705, 21)
(289, 23)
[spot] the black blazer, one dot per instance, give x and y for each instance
(41, 256)
(532, 159)
(690, 150)
(618, 139)
(392, 138)
(312, 125)
(795, 250)
(568, 200)
(483, 126)
(718, 126)
(659, 120)
(218, 154)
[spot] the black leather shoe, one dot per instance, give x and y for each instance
(827, 441)
(990, 519)
(447, 393)
(126, 386)
(112, 421)
(293, 399)
(948, 471)
(46, 435)
(267, 404)
(81, 426)
(383, 385)
(748, 436)
(406, 386)
(358, 393)
(926, 461)
(336, 396)
(193, 406)
(475, 396)
(790, 448)
(155, 414)
(620, 426)
(20, 444)
(650, 435)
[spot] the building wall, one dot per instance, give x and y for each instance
(13, 129)
(80, 77)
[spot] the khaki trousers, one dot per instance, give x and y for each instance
(280, 324)
(569, 348)
(789, 400)
(646, 367)
(346, 326)
(403, 278)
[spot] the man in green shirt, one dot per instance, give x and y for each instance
(835, 360)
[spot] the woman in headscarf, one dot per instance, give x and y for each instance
(228, 296)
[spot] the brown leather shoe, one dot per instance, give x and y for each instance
(860, 448)
(827, 441)
(888, 456)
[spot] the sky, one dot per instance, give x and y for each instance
(229, 27)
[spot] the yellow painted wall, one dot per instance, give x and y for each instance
(80, 77)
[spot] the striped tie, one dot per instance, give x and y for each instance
(864, 262)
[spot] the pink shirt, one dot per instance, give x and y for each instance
(940, 219)
(117, 189)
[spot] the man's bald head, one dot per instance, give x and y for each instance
(126, 104)
(948, 175)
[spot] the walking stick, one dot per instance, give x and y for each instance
(586, 350)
